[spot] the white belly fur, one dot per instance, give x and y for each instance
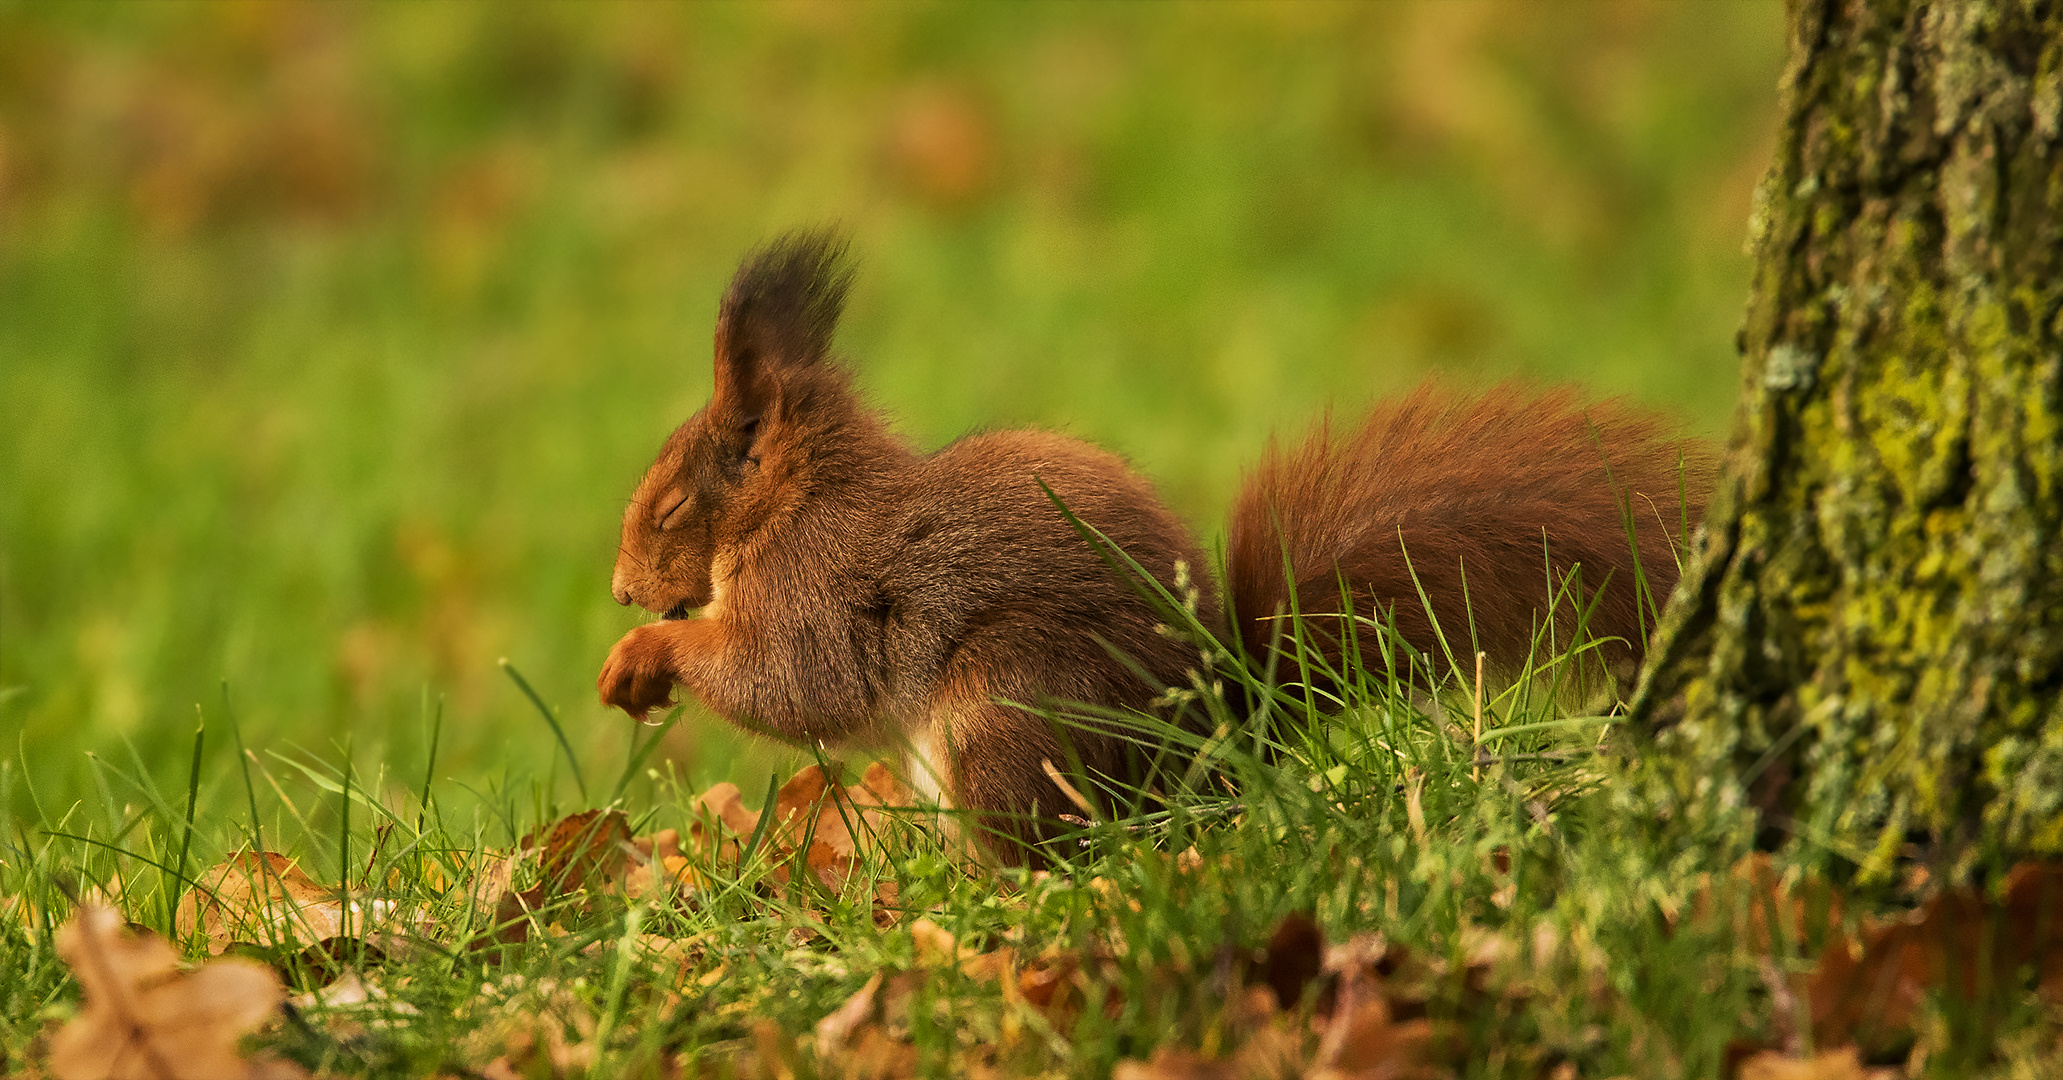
(926, 766)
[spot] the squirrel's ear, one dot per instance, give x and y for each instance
(779, 314)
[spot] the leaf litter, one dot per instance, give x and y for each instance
(1299, 1005)
(145, 1017)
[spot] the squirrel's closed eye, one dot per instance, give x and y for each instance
(674, 514)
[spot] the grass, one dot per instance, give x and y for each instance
(1525, 835)
(1481, 841)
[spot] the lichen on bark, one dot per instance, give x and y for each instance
(1868, 648)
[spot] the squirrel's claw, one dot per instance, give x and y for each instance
(637, 677)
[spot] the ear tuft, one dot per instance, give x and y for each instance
(782, 307)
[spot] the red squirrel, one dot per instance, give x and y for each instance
(823, 582)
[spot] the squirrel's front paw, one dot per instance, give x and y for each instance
(638, 676)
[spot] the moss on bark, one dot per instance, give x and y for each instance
(1869, 648)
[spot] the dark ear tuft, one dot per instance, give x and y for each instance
(781, 310)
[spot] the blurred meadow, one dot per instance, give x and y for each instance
(332, 336)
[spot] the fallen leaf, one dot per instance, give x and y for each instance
(543, 1027)
(834, 1029)
(494, 876)
(1842, 1064)
(997, 966)
(725, 803)
(1169, 1063)
(263, 896)
(1294, 956)
(583, 850)
(936, 947)
(831, 828)
(1961, 941)
(877, 1055)
(1363, 1039)
(145, 1018)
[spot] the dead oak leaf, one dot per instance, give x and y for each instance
(540, 1026)
(578, 853)
(1363, 1041)
(581, 850)
(838, 1026)
(1961, 941)
(1274, 1049)
(660, 869)
(1842, 1064)
(1169, 1063)
(146, 1019)
(266, 897)
(831, 828)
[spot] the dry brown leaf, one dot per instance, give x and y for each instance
(1272, 1043)
(834, 1029)
(876, 1055)
(1294, 955)
(659, 868)
(1046, 983)
(1363, 1040)
(725, 803)
(1870, 992)
(936, 946)
(591, 850)
(263, 896)
(1772, 912)
(1169, 1063)
(348, 1007)
(544, 1027)
(495, 875)
(868, 1037)
(997, 966)
(1842, 1064)
(265, 899)
(582, 850)
(833, 828)
(146, 1019)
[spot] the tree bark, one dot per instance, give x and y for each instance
(1868, 647)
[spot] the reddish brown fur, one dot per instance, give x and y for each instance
(853, 591)
(1467, 499)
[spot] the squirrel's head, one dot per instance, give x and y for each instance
(751, 451)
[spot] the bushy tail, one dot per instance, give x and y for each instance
(1450, 508)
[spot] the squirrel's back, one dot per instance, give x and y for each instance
(984, 553)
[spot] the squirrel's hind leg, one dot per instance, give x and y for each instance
(992, 759)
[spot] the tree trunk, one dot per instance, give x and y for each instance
(1868, 648)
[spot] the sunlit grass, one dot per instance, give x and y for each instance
(1391, 816)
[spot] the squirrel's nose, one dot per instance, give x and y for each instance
(621, 594)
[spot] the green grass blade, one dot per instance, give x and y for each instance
(193, 791)
(640, 753)
(558, 732)
(243, 764)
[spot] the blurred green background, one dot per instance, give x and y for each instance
(333, 335)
